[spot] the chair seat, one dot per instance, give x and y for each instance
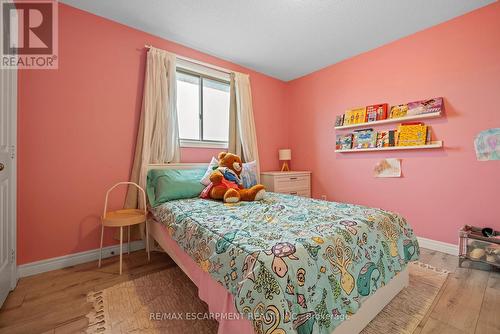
(121, 218)
(124, 217)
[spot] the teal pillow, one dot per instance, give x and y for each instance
(170, 184)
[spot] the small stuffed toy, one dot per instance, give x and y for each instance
(225, 183)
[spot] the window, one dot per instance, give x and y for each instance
(203, 109)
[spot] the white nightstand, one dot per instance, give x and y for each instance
(293, 182)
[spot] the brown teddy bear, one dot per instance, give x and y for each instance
(225, 182)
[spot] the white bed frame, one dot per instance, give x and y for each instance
(370, 307)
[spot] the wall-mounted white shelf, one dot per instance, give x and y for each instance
(390, 120)
(434, 144)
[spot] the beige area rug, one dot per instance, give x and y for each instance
(403, 314)
(128, 307)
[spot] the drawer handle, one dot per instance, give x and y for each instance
(293, 193)
(293, 178)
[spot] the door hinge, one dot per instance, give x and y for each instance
(12, 151)
(12, 256)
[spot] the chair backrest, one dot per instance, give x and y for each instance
(121, 183)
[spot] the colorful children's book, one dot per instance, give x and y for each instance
(338, 142)
(371, 116)
(359, 115)
(345, 142)
(339, 120)
(428, 139)
(412, 134)
(356, 115)
(376, 112)
(383, 139)
(393, 137)
(399, 111)
(348, 118)
(364, 139)
(425, 106)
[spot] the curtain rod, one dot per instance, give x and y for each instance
(194, 61)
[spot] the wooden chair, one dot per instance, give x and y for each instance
(121, 218)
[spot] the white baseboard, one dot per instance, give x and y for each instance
(439, 246)
(61, 262)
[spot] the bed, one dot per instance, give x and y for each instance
(287, 264)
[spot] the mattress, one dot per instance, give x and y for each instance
(292, 264)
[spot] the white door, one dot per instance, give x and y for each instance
(8, 124)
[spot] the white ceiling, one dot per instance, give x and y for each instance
(285, 39)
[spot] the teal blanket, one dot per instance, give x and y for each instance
(293, 264)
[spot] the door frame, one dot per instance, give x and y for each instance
(13, 188)
(9, 95)
(10, 92)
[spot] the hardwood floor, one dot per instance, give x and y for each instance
(469, 301)
(55, 302)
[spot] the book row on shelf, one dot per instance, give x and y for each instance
(407, 134)
(380, 112)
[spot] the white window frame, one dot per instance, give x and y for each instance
(209, 73)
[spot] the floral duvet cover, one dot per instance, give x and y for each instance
(293, 264)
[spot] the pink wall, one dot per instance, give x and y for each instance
(441, 189)
(77, 129)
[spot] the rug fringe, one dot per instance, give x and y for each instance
(97, 319)
(428, 266)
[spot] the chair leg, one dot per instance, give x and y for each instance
(121, 248)
(147, 240)
(128, 242)
(100, 248)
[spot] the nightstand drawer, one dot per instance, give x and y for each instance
(291, 183)
(296, 183)
(302, 192)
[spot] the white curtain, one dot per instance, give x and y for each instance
(234, 145)
(243, 136)
(158, 135)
